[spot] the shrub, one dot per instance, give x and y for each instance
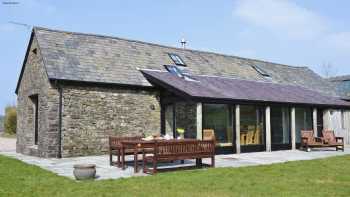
(10, 121)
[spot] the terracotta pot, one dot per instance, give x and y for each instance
(84, 171)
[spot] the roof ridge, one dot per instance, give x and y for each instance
(170, 47)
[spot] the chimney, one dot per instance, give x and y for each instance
(183, 43)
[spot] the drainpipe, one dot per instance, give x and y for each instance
(59, 153)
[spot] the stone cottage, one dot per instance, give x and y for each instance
(76, 89)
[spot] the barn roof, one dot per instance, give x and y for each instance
(105, 59)
(222, 88)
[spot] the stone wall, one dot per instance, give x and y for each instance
(91, 114)
(35, 81)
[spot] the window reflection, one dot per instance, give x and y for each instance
(252, 125)
(218, 117)
(303, 121)
(280, 125)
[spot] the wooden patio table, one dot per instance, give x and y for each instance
(138, 145)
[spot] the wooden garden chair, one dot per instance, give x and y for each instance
(308, 140)
(331, 140)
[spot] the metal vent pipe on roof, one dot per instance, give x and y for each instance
(183, 43)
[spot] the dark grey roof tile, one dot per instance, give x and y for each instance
(115, 60)
(241, 90)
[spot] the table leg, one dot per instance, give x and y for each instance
(135, 160)
(123, 158)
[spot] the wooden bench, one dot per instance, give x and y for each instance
(308, 140)
(168, 151)
(330, 140)
(115, 148)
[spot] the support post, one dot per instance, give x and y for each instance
(268, 128)
(293, 128)
(327, 119)
(238, 129)
(199, 121)
(314, 120)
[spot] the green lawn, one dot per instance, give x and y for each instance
(326, 177)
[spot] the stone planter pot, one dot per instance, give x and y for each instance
(84, 171)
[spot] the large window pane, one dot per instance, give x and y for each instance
(181, 115)
(303, 121)
(218, 117)
(169, 120)
(280, 125)
(252, 125)
(185, 118)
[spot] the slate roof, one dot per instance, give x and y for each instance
(213, 87)
(106, 59)
(339, 78)
(342, 86)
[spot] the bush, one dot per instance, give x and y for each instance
(10, 121)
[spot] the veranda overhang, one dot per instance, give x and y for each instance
(231, 89)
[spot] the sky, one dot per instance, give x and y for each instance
(309, 33)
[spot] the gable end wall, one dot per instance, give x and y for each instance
(35, 81)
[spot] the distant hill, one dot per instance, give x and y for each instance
(1, 123)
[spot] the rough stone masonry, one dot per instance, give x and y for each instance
(89, 114)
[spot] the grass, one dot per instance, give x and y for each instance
(325, 177)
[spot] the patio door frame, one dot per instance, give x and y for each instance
(224, 149)
(275, 147)
(257, 147)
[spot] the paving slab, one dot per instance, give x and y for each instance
(64, 166)
(7, 144)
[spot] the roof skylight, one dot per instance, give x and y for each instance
(174, 70)
(261, 71)
(176, 59)
(179, 72)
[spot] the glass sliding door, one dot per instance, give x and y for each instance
(303, 121)
(179, 116)
(280, 128)
(252, 130)
(218, 117)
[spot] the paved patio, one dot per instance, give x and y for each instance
(64, 167)
(7, 144)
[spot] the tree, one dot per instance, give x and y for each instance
(328, 70)
(10, 120)
(1, 123)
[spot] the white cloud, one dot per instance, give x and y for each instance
(281, 17)
(293, 25)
